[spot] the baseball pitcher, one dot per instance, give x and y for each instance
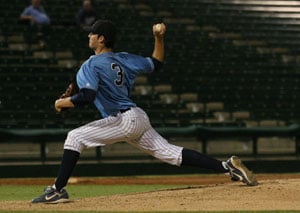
(106, 79)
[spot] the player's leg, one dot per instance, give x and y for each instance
(197, 159)
(154, 144)
(86, 136)
(157, 146)
(106, 131)
(56, 193)
(97, 133)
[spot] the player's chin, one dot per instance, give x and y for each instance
(92, 47)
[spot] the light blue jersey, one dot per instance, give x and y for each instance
(112, 76)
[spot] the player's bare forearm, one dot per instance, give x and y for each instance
(159, 48)
(159, 52)
(63, 103)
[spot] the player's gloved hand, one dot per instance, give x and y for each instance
(71, 90)
(61, 104)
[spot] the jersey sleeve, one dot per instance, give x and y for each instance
(87, 77)
(139, 64)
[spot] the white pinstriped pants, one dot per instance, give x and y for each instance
(133, 127)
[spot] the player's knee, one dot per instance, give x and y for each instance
(72, 142)
(72, 134)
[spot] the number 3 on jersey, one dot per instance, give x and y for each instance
(120, 74)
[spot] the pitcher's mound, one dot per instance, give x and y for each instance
(277, 194)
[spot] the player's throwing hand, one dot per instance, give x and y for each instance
(159, 29)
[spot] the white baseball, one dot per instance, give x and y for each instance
(158, 27)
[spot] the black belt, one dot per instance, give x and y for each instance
(124, 110)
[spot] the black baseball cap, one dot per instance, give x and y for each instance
(106, 28)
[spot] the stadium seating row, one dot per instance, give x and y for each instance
(227, 63)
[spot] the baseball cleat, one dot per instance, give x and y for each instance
(51, 195)
(238, 171)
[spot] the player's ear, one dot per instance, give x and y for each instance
(101, 39)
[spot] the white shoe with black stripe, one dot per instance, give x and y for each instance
(238, 171)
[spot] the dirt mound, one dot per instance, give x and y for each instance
(270, 194)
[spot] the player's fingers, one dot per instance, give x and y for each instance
(58, 110)
(163, 29)
(154, 30)
(56, 105)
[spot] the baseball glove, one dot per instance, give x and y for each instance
(71, 90)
